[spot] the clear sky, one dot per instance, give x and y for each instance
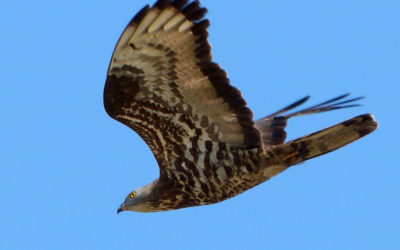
(66, 166)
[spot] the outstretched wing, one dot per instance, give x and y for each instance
(162, 84)
(273, 126)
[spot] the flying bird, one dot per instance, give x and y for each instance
(163, 84)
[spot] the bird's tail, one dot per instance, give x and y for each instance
(319, 143)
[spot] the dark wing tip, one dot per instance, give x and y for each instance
(200, 28)
(178, 4)
(193, 11)
(252, 138)
(162, 4)
(140, 15)
(338, 102)
(289, 107)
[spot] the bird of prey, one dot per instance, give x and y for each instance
(163, 84)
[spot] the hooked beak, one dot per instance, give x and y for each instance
(121, 208)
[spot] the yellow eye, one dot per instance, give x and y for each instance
(132, 195)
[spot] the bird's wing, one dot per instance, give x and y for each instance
(162, 83)
(273, 126)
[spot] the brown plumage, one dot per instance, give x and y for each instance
(162, 83)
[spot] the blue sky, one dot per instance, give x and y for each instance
(66, 166)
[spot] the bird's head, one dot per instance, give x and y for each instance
(138, 200)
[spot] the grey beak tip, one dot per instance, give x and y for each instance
(120, 209)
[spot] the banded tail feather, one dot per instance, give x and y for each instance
(324, 141)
